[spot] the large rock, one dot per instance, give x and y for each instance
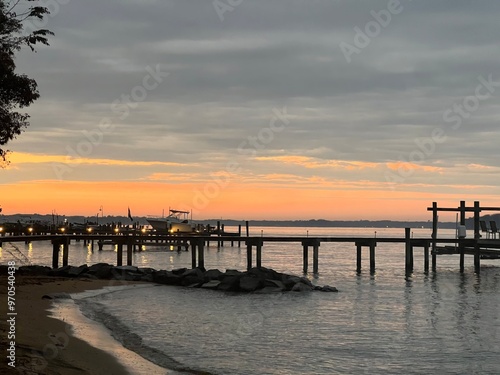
(212, 284)
(230, 284)
(194, 276)
(301, 287)
(274, 284)
(213, 275)
(101, 270)
(33, 270)
(123, 269)
(230, 272)
(166, 277)
(289, 281)
(61, 271)
(250, 284)
(77, 271)
(264, 273)
(179, 271)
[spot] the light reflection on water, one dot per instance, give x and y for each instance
(443, 322)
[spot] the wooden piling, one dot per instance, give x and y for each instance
(65, 251)
(55, 254)
(259, 254)
(249, 255)
(247, 229)
(201, 255)
(477, 236)
(434, 234)
(239, 235)
(130, 244)
(358, 258)
(316, 258)
(194, 243)
(426, 258)
(218, 234)
(222, 233)
(407, 251)
(372, 257)
(119, 254)
(461, 246)
(305, 257)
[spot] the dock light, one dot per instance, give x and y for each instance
(30, 230)
(63, 229)
(117, 230)
(1, 229)
(89, 230)
(143, 230)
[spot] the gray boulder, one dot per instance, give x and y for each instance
(250, 284)
(212, 275)
(212, 284)
(33, 270)
(301, 287)
(274, 284)
(101, 270)
(167, 278)
(230, 284)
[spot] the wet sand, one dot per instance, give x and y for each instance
(45, 345)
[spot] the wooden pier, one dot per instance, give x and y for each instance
(433, 246)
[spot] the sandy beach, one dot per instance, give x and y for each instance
(45, 345)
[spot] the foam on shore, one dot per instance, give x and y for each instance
(100, 337)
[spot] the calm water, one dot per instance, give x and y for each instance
(444, 323)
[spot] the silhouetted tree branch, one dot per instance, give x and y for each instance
(16, 90)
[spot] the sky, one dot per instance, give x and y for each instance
(259, 109)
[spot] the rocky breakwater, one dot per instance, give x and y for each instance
(256, 280)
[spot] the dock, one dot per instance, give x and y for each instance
(478, 247)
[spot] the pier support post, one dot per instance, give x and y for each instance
(119, 254)
(222, 234)
(460, 245)
(426, 258)
(259, 254)
(130, 245)
(218, 234)
(249, 255)
(239, 235)
(358, 257)
(55, 254)
(408, 251)
(477, 250)
(305, 247)
(194, 243)
(316, 258)
(434, 234)
(372, 257)
(247, 229)
(65, 252)
(201, 254)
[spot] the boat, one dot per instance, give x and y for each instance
(176, 222)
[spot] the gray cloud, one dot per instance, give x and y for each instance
(226, 77)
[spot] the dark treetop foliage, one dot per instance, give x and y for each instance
(16, 90)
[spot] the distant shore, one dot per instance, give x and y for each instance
(311, 223)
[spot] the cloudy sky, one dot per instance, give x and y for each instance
(301, 109)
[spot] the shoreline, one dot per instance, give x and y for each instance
(49, 346)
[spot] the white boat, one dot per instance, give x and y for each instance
(176, 222)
